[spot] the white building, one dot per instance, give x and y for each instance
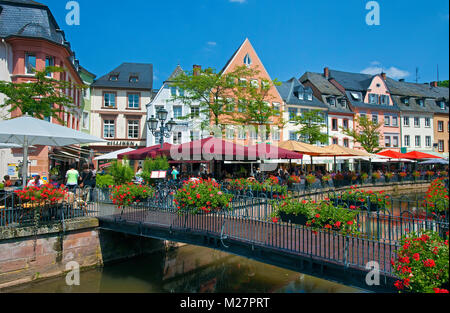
(193, 128)
(118, 107)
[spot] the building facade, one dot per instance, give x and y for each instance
(191, 124)
(119, 107)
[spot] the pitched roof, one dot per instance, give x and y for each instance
(416, 90)
(352, 81)
(232, 57)
(144, 72)
(26, 18)
(321, 83)
(177, 71)
(288, 90)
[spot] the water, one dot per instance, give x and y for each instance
(188, 269)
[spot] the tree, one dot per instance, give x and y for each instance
(367, 134)
(254, 107)
(43, 97)
(311, 123)
(443, 83)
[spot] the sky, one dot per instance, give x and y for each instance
(290, 36)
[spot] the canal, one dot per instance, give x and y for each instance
(188, 269)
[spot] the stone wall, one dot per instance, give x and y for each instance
(27, 255)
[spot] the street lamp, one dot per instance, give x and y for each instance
(165, 129)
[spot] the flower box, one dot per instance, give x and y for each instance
(295, 219)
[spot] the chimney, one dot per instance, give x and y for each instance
(383, 75)
(326, 72)
(434, 84)
(197, 69)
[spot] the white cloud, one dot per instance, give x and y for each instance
(391, 72)
(239, 1)
(212, 43)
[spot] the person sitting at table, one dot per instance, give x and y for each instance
(7, 181)
(36, 182)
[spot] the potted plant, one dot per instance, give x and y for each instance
(443, 173)
(328, 217)
(310, 179)
(292, 210)
(130, 193)
(422, 263)
(202, 196)
(430, 174)
(293, 180)
(416, 175)
(388, 176)
(364, 177)
(402, 175)
(375, 177)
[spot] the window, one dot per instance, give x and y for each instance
(293, 135)
(229, 107)
(407, 142)
(114, 78)
(406, 121)
(276, 135)
(133, 79)
(195, 111)
(242, 133)
(177, 137)
(133, 101)
(387, 141)
(375, 119)
(110, 100)
(428, 141)
(195, 135)
(247, 60)
(230, 133)
(346, 143)
(300, 95)
(173, 91)
(387, 120)
(133, 129)
(334, 124)
(242, 82)
(241, 107)
(406, 101)
(331, 101)
(109, 129)
(30, 63)
(177, 112)
(427, 122)
(355, 96)
(276, 108)
(362, 115)
(441, 145)
(345, 123)
(373, 98)
(292, 113)
(255, 83)
(49, 61)
(440, 126)
(181, 92)
(417, 141)
(335, 141)
(253, 134)
(85, 120)
(309, 96)
(384, 99)
(417, 122)
(420, 102)
(395, 141)
(441, 105)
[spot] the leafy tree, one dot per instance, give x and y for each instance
(122, 173)
(311, 124)
(40, 98)
(150, 165)
(254, 100)
(443, 83)
(367, 134)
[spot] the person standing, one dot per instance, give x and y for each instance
(174, 173)
(72, 177)
(36, 182)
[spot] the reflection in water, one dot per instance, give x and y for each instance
(189, 269)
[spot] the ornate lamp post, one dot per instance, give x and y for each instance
(165, 129)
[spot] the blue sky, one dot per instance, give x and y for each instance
(290, 36)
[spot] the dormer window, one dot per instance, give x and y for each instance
(134, 79)
(343, 102)
(420, 102)
(247, 60)
(355, 96)
(331, 101)
(300, 95)
(308, 96)
(114, 78)
(406, 101)
(441, 104)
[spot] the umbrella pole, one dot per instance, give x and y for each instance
(25, 162)
(335, 165)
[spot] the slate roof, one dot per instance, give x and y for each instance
(352, 81)
(124, 72)
(321, 83)
(177, 71)
(287, 92)
(26, 18)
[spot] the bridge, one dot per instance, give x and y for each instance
(248, 231)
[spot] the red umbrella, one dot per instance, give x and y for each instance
(392, 154)
(416, 155)
(266, 151)
(211, 148)
(144, 153)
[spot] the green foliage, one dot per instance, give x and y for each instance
(130, 193)
(443, 83)
(122, 173)
(367, 134)
(104, 181)
(158, 164)
(44, 97)
(311, 124)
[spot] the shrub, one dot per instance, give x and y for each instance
(293, 206)
(150, 165)
(201, 196)
(376, 175)
(130, 193)
(294, 179)
(104, 181)
(329, 217)
(403, 174)
(437, 198)
(422, 263)
(122, 173)
(311, 179)
(46, 194)
(416, 174)
(364, 176)
(326, 178)
(389, 175)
